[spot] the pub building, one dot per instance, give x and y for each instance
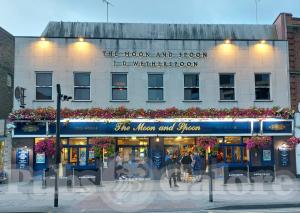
(154, 89)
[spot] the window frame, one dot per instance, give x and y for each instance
(185, 87)
(74, 86)
(36, 86)
(119, 87)
(163, 88)
(269, 87)
(222, 87)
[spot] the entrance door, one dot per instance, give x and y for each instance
(134, 162)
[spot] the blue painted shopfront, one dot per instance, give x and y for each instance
(233, 153)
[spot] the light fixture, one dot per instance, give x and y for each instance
(133, 138)
(81, 39)
(157, 139)
(43, 39)
(227, 41)
(179, 138)
(263, 41)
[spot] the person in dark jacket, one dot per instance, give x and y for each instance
(171, 170)
(186, 163)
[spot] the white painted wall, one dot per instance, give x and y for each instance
(64, 56)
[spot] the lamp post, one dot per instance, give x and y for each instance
(57, 144)
(210, 176)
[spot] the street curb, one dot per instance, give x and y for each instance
(258, 206)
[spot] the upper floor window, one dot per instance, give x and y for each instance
(155, 87)
(227, 92)
(191, 87)
(119, 86)
(43, 86)
(262, 86)
(82, 86)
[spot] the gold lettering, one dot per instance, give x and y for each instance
(121, 127)
(183, 127)
(142, 127)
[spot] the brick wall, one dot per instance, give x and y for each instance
(6, 68)
(288, 28)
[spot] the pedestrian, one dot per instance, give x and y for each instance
(171, 170)
(197, 166)
(119, 166)
(186, 164)
(178, 166)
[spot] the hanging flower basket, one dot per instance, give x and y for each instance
(203, 143)
(258, 142)
(103, 144)
(122, 112)
(293, 141)
(46, 146)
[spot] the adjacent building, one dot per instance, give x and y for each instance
(155, 89)
(6, 86)
(289, 29)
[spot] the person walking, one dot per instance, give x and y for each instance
(171, 170)
(197, 166)
(186, 163)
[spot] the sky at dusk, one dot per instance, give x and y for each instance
(30, 17)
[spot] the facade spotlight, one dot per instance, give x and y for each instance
(43, 39)
(227, 41)
(81, 39)
(263, 41)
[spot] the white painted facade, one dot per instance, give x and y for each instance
(63, 56)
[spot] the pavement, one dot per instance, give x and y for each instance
(153, 196)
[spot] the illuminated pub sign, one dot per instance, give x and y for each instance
(114, 128)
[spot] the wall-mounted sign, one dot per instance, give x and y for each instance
(154, 128)
(169, 59)
(267, 155)
(22, 158)
(284, 156)
(40, 158)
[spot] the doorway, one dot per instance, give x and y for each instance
(134, 157)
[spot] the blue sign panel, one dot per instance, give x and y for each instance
(22, 158)
(30, 128)
(256, 127)
(278, 127)
(150, 128)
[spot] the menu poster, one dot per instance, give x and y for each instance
(267, 155)
(22, 158)
(82, 157)
(284, 157)
(40, 158)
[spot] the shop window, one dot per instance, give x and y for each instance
(133, 141)
(73, 155)
(155, 87)
(227, 88)
(77, 141)
(262, 86)
(119, 86)
(64, 156)
(82, 86)
(179, 144)
(232, 140)
(191, 87)
(43, 86)
(91, 159)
